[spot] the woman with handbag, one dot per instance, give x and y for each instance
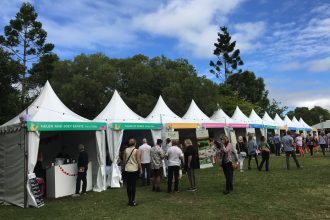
(225, 153)
(132, 159)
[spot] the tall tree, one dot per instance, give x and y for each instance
(25, 39)
(275, 107)
(311, 116)
(9, 76)
(227, 58)
(250, 88)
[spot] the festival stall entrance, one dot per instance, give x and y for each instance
(46, 126)
(122, 124)
(241, 118)
(281, 125)
(257, 124)
(270, 125)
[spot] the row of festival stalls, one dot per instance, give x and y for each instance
(47, 127)
(123, 124)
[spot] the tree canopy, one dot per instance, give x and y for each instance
(311, 116)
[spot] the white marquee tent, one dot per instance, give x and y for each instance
(281, 125)
(119, 117)
(290, 125)
(305, 125)
(47, 114)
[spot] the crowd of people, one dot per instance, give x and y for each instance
(167, 159)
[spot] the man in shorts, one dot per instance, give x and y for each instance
(156, 156)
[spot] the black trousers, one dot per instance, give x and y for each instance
(81, 177)
(265, 158)
(278, 149)
(173, 171)
(294, 156)
(255, 157)
(229, 175)
(311, 149)
(323, 146)
(146, 169)
(131, 178)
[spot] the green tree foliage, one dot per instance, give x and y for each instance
(275, 107)
(25, 40)
(9, 77)
(249, 88)
(227, 58)
(310, 116)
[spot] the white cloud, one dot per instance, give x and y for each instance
(290, 66)
(190, 22)
(321, 65)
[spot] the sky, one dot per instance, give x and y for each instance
(287, 42)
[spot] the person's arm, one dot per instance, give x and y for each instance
(228, 148)
(138, 160)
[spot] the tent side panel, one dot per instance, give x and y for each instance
(12, 168)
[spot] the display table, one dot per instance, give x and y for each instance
(61, 180)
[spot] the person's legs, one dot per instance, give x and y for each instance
(148, 167)
(287, 157)
(295, 158)
(84, 180)
(176, 178)
(241, 160)
(169, 178)
(278, 149)
(144, 168)
(129, 187)
(193, 178)
(256, 159)
(133, 185)
(79, 177)
(189, 173)
(323, 149)
(267, 161)
(230, 176)
(154, 180)
(311, 149)
(249, 163)
(262, 161)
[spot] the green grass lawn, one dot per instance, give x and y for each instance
(277, 194)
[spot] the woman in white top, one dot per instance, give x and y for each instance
(132, 160)
(174, 155)
(299, 144)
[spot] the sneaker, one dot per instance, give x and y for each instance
(226, 192)
(241, 171)
(75, 195)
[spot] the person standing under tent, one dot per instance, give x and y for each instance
(132, 159)
(165, 148)
(157, 155)
(252, 150)
(323, 142)
(299, 144)
(191, 163)
(289, 149)
(82, 170)
(145, 162)
(226, 155)
(310, 143)
(242, 152)
(265, 153)
(277, 142)
(174, 155)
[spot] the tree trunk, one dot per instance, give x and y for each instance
(24, 69)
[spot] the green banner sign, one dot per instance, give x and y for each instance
(65, 126)
(136, 126)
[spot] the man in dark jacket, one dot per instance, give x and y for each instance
(82, 170)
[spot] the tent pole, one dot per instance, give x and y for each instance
(26, 141)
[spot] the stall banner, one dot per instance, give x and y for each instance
(35, 190)
(173, 135)
(136, 126)
(65, 126)
(202, 134)
(205, 153)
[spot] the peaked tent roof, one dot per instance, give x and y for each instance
(220, 116)
(194, 113)
(305, 125)
(255, 120)
(164, 115)
(47, 107)
(48, 113)
(297, 123)
(290, 124)
(239, 116)
(279, 121)
(117, 111)
(268, 121)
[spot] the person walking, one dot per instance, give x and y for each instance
(82, 170)
(145, 162)
(241, 151)
(132, 158)
(157, 154)
(310, 143)
(265, 153)
(226, 155)
(252, 151)
(174, 155)
(289, 149)
(191, 163)
(299, 144)
(323, 142)
(277, 142)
